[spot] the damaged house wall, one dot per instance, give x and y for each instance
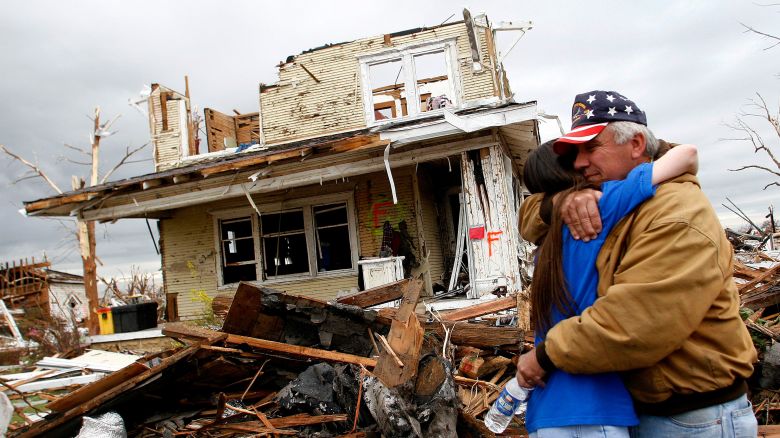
(300, 106)
(168, 116)
(225, 130)
(191, 258)
(322, 152)
(493, 242)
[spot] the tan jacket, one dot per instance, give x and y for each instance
(668, 308)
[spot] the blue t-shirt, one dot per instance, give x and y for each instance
(588, 399)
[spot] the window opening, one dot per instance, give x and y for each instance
(388, 79)
(432, 80)
(238, 250)
(331, 227)
(284, 243)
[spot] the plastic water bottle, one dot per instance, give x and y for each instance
(511, 401)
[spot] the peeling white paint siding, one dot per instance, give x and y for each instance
(474, 217)
(298, 107)
(495, 256)
(169, 145)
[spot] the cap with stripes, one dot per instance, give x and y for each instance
(592, 111)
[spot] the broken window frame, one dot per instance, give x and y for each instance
(221, 259)
(307, 205)
(407, 54)
(268, 237)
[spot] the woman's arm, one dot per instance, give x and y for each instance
(679, 160)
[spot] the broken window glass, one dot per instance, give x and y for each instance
(284, 243)
(238, 250)
(331, 228)
(432, 79)
(388, 81)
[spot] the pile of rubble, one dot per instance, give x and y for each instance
(289, 365)
(758, 281)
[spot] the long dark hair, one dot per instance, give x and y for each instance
(547, 172)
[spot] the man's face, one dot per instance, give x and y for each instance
(601, 159)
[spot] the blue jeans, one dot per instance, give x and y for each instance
(731, 419)
(584, 431)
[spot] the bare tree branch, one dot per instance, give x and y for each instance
(755, 166)
(24, 178)
(128, 154)
(35, 168)
(77, 149)
(80, 163)
(145, 160)
(772, 184)
(765, 35)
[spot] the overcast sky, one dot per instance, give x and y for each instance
(688, 64)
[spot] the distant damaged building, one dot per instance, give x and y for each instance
(368, 161)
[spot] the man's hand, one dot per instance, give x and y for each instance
(529, 373)
(580, 212)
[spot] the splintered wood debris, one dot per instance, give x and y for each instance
(285, 365)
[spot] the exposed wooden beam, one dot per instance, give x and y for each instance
(398, 361)
(254, 160)
(164, 109)
(481, 309)
(152, 183)
(309, 73)
(271, 184)
(41, 427)
(58, 201)
(189, 331)
(299, 351)
(178, 179)
(477, 335)
(377, 295)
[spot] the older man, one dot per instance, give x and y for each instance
(667, 313)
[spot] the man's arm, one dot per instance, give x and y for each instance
(580, 209)
(667, 279)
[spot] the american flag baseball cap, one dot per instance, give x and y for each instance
(592, 111)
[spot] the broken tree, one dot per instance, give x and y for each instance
(85, 228)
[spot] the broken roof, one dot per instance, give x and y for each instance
(206, 165)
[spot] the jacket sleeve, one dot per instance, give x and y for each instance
(667, 279)
(532, 227)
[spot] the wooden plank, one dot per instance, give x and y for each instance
(189, 331)
(309, 73)
(88, 392)
(255, 160)
(305, 420)
(359, 145)
(405, 339)
(164, 109)
(299, 351)
(377, 295)
(481, 309)
(59, 200)
(766, 274)
(38, 429)
(478, 335)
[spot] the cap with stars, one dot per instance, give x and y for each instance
(591, 113)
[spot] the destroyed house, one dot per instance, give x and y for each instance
(367, 161)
